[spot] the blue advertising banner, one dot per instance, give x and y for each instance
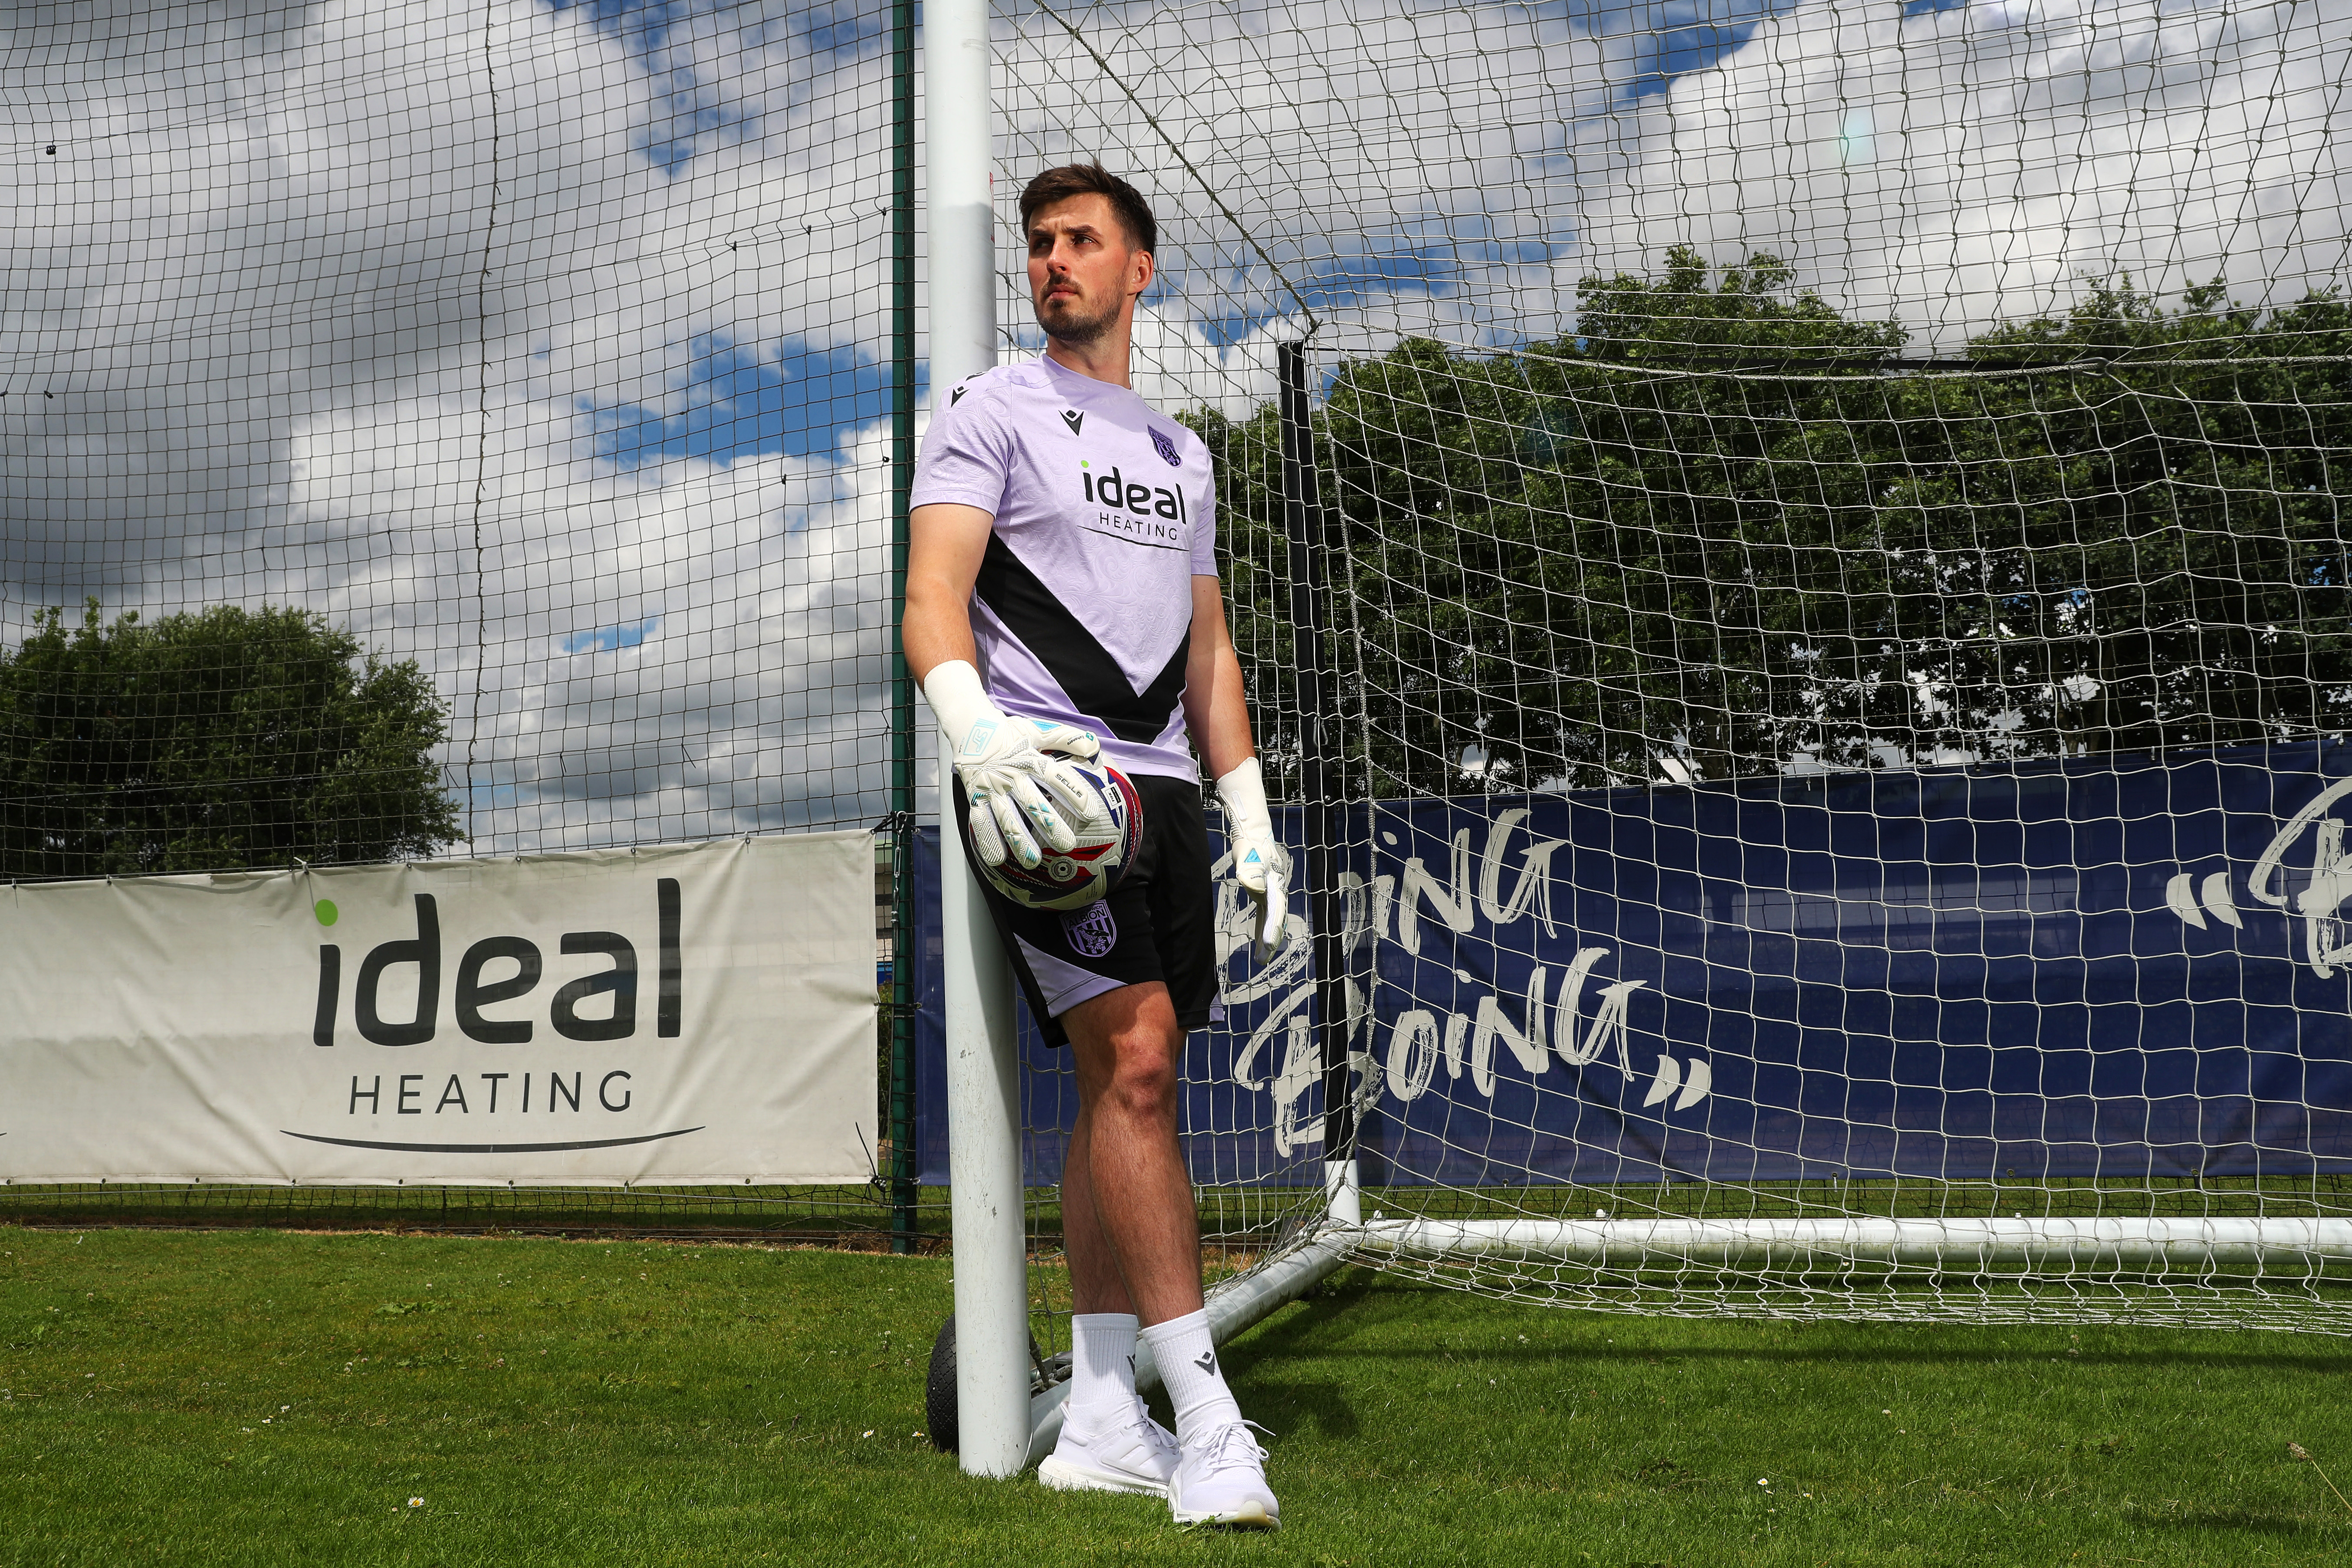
(2115, 966)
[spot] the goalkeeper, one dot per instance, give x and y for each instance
(1062, 603)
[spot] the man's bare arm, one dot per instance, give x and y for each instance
(1218, 716)
(945, 545)
(1214, 710)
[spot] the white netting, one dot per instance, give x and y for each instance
(546, 345)
(1835, 617)
(485, 407)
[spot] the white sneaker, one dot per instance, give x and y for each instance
(1137, 1457)
(1221, 1480)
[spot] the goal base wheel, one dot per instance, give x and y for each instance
(940, 1384)
(940, 1391)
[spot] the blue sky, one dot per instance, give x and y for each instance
(737, 400)
(1694, 36)
(610, 638)
(793, 399)
(696, 109)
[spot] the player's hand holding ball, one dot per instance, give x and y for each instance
(1022, 789)
(1260, 863)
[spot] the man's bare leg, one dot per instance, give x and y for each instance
(1134, 1236)
(1094, 1284)
(1127, 1087)
(1128, 1219)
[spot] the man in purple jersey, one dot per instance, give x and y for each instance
(1062, 601)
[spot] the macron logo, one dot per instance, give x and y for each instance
(1206, 1360)
(1074, 419)
(956, 396)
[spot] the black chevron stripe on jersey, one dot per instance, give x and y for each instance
(1091, 677)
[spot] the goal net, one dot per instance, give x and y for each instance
(469, 426)
(1802, 636)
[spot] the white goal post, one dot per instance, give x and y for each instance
(1003, 1426)
(991, 1291)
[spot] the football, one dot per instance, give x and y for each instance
(1088, 870)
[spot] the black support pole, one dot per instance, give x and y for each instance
(1302, 525)
(901, 1171)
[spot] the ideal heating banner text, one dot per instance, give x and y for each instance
(690, 1014)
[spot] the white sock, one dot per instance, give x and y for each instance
(1102, 1370)
(1187, 1366)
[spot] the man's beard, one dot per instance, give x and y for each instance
(1077, 329)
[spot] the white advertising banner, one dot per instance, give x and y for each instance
(700, 1013)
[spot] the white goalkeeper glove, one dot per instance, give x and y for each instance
(1021, 790)
(1260, 864)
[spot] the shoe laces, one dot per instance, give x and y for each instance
(1231, 1446)
(1155, 1437)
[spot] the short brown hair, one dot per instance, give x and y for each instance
(1093, 180)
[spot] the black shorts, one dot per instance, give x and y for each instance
(1157, 924)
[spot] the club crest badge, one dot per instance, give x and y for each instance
(1167, 446)
(1092, 932)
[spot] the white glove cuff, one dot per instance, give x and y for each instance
(1243, 792)
(959, 702)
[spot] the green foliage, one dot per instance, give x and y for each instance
(1708, 526)
(1752, 315)
(214, 740)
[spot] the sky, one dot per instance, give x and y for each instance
(546, 343)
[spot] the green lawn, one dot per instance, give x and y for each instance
(260, 1397)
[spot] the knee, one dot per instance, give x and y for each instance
(1142, 1082)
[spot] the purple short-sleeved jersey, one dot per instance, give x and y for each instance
(1105, 513)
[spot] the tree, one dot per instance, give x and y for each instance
(220, 739)
(1708, 531)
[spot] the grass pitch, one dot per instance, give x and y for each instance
(259, 1397)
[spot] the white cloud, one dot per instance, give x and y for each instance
(735, 687)
(324, 297)
(1388, 165)
(1957, 167)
